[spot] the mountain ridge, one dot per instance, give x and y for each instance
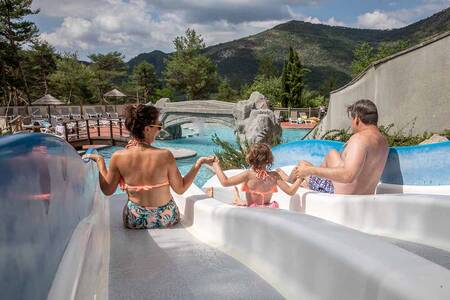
(326, 50)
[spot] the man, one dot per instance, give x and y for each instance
(357, 170)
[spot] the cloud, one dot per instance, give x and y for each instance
(331, 21)
(379, 20)
(136, 26)
(398, 18)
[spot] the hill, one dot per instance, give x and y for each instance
(326, 50)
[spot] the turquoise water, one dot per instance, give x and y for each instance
(203, 145)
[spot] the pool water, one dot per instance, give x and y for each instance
(204, 146)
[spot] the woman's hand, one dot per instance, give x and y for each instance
(205, 160)
(94, 157)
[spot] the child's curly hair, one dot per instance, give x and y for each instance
(260, 156)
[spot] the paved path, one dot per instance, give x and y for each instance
(172, 264)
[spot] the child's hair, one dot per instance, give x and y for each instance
(260, 156)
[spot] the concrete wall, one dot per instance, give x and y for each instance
(423, 165)
(414, 84)
(45, 191)
(305, 257)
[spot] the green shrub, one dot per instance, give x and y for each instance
(229, 156)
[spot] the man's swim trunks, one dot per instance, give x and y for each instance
(322, 185)
(141, 217)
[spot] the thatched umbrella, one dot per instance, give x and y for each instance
(114, 93)
(48, 100)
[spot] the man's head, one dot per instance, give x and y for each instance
(363, 112)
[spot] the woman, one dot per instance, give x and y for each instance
(146, 173)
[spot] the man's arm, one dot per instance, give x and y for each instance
(354, 161)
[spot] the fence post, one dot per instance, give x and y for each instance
(88, 133)
(98, 127)
(77, 129)
(120, 126)
(65, 131)
(111, 133)
(309, 112)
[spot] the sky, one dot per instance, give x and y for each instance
(136, 26)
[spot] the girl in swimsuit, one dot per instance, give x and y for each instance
(259, 183)
(146, 173)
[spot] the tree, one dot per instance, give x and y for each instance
(225, 92)
(269, 87)
(15, 32)
(293, 81)
(145, 78)
(266, 67)
(187, 70)
(72, 81)
(364, 54)
(108, 69)
(40, 63)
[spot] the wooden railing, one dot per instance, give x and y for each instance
(94, 132)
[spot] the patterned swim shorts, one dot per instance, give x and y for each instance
(141, 217)
(322, 185)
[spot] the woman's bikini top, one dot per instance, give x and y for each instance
(137, 188)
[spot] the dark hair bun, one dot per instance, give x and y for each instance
(137, 117)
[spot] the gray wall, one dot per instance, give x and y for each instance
(45, 190)
(409, 85)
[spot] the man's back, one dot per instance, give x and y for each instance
(375, 146)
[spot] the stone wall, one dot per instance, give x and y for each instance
(409, 88)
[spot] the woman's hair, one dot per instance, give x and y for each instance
(260, 156)
(139, 116)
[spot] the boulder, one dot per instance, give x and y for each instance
(170, 133)
(255, 122)
(262, 127)
(435, 138)
(162, 102)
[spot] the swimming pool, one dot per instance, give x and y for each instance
(203, 145)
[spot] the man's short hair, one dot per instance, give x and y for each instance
(365, 110)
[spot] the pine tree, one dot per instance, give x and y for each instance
(187, 70)
(145, 78)
(108, 70)
(15, 32)
(293, 80)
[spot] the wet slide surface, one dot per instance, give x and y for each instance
(172, 264)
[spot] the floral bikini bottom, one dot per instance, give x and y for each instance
(141, 217)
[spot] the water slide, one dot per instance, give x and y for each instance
(63, 239)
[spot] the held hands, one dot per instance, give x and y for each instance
(303, 169)
(205, 160)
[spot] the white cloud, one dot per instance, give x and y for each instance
(379, 20)
(331, 21)
(401, 17)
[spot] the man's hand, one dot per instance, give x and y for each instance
(303, 169)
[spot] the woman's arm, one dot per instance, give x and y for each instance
(108, 179)
(224, 180)
(178, 183)
(289, 189)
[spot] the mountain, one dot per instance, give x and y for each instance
(326, 50)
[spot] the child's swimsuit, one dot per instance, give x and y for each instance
(145, 217)
(273, 204)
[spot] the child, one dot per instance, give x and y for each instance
(258, 182)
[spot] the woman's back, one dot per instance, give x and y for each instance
(145, 171)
